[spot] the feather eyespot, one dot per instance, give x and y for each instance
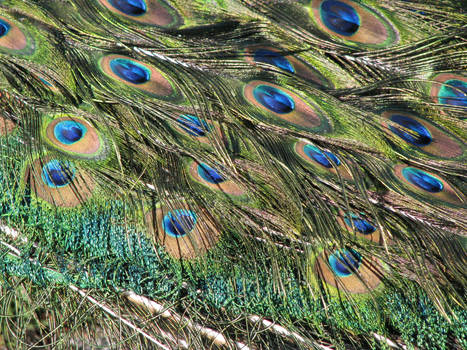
(287, 63)
(345, 262)
(210, 174)
(427, 185)
(196, 128)
(130, 7)
(139, 75)
(57, 174)
(46, 83)
(274, 99)
(4, 27)
(178, 223)
(353, 22)
(450, 89)
(360, 226)
(151, 12)
(285, 106)
(12, 38)
(130, 70)
(421, 134)
(422, 180)
(348, 270)
(75, 136)
(416, 133)
(326, 161)
(453, 92)
(184, 232)
(273, 58)
(322, 158)
(340, 17)
(193, 125)
(212, 178)
(58, 182)
(69, 132)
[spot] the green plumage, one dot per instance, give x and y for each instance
(233, 174)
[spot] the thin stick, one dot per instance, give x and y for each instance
(17, 253)
(121, 319)
(216, 337)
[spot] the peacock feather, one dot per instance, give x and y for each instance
(233, 174)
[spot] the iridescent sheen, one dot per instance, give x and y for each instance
(46, 82)
(274, 99)
(193, 125)
(57, 173)
(356, 22)
(422, 180)
(361, 225)
(273, 58)
(416, 134)
(316, 154)
(340, 17)
(4, 28)
(130, 7)
(453, 92)
(344, 262)
(130, 71)
(69, 131)
(177, 223)
(209, 174)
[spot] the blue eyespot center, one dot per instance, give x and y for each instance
(273, 58)
(320, 157)
(69, 132)
(412, 131)
(57, 173)
(361, 225)
(344, 262)
(453, 92)
(45, 82)
(4, 28)
(130, 7)
(209, 174)
(274, 99)
(193, 125)
(177, 223)
(422, 180)
(130, 71)
(339, 17)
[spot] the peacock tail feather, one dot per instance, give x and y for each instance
(233, 174)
